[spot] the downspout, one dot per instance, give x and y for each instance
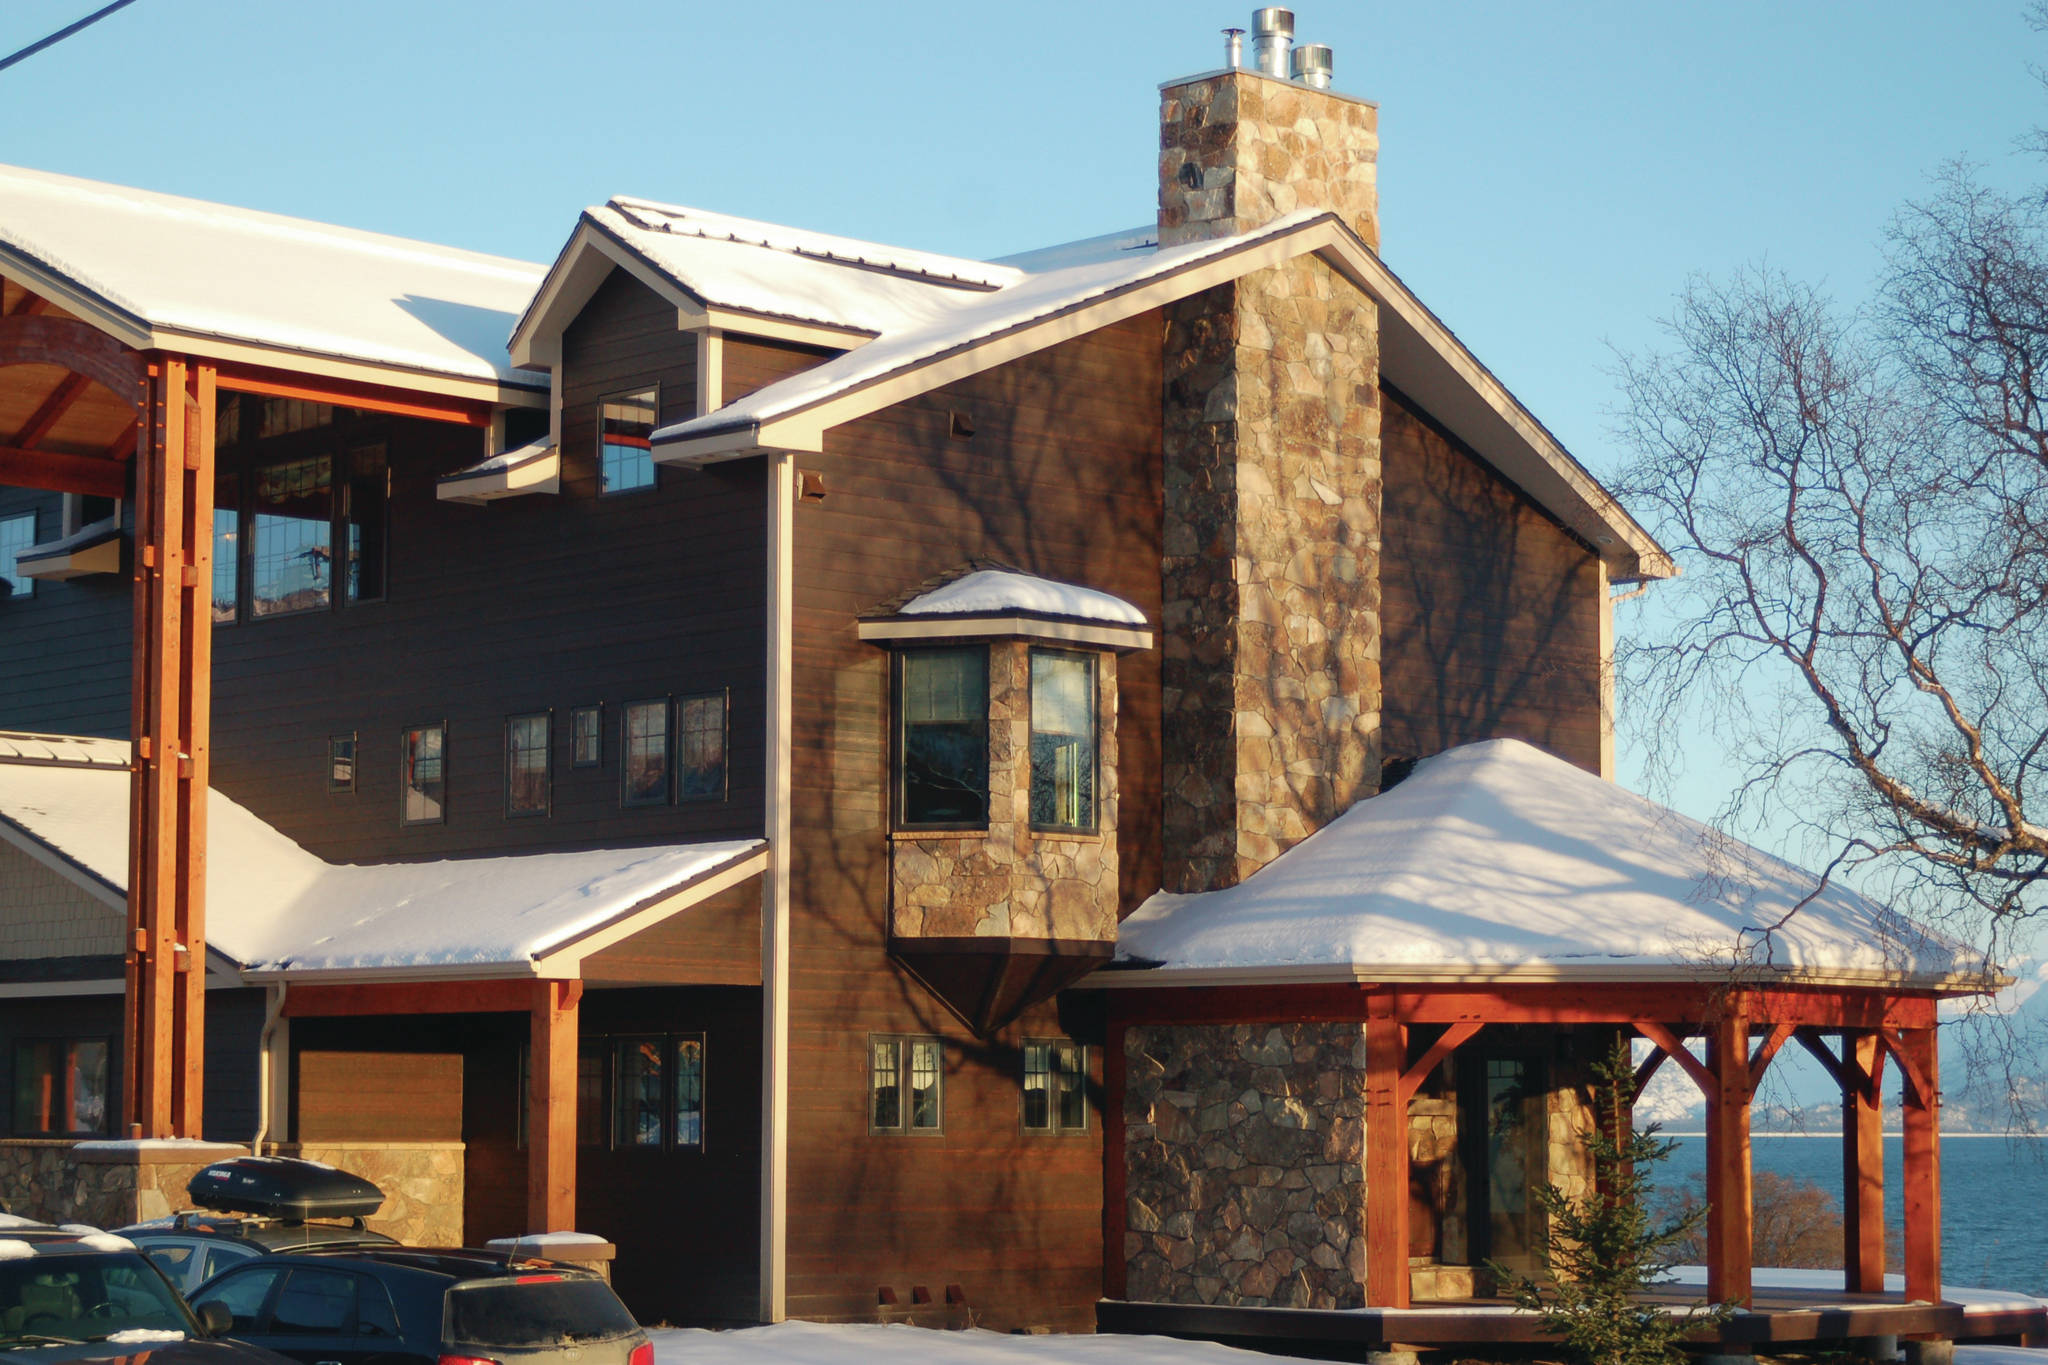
(781, 493)
(271, 1016)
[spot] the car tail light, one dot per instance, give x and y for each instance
(643, 1354)
(481, 1360)
(536, 1279)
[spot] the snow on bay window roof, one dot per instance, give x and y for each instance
(1497, 861)
(981, 600)
(278, 911)
(987, 592)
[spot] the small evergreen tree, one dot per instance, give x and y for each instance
(1604, 1251)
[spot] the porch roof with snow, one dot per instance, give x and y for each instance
(277, 912)
(162, 271)
(1499, 862)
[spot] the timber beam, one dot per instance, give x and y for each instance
(53, 473)
(551, 1107)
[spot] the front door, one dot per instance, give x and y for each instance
(1502, 1117)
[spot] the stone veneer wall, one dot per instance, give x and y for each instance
(1013, 882)
(422, 1184)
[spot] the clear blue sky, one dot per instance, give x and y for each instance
(1550, 174)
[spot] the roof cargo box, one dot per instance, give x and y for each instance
(282, 1187)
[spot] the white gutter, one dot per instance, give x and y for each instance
(781, 480)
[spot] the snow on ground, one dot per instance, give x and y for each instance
(2000, 1355)
(814, 1343)
(1775, 1277)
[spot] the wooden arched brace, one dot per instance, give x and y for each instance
(75, 346)
(1672, 1046)
(1453, 1038)
(1846, 1071)
(1890, 1040)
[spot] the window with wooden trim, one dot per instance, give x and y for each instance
(17, 533)
(906, 1085)
(942, 738)
(60, 1086)
(529, 748)
(686, 1112)
(586, 736)
(700, 737)
(282, 528)
(341, 763)
(638, 1092)
(637, 1108)
(291, 536)
(1055, 1087)
(423, 775)
(227, 551)
(625, 430)
(644, 753)
(1062, 740)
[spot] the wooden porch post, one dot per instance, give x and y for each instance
(1862, 1162)
(164, 1030)
(1922, 1173)
(551, 1108)
(1386, 1157)
(1729, 1193)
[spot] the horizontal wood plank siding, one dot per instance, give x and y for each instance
(1490, 609)
(1060, 478)
(64, 654)
(378, 1096)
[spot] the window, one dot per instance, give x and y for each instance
(591, 1128)
(643, 749)
(527, 749)
(942, 740)
(291, 533)
(700, 729)
(227, 562)
(625, 425)
(586, 726)
(688, 1130)
(315, 1303)
(60, 1086)
(88, 509)
(637, 1098)
(242, 1293)
(341, 763)
(16, 534)
(364, 499)
(1055, 1087)
(423, 775)
(906, 1085)
(1062, 740)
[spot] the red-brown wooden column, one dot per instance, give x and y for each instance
(1729, 1191)
(1922, 1169)
(1386, 1157)
(164, 1033)
(551, 1108)
(1862, 1162)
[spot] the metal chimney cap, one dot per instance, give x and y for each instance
(1313, 64)
(1273, 19)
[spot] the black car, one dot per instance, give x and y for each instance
(69, 1297)
(257, 1206)
(400, 1306)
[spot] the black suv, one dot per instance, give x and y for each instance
(68, 1295)
(255, 1206)
(399, 1306)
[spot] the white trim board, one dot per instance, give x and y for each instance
(1006, 627)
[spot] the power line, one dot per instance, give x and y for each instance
(61, 34)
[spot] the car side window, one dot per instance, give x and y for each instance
(223, 1257)
(242, 1294)
(315, 1303)
(176, 1260)
(375, 1316)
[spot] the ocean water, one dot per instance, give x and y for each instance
(1994, 1198)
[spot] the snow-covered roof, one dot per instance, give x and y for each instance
(275, 909)
(157, 266)
(1498, 861)
(990, 592)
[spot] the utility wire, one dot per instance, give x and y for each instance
(61, 34)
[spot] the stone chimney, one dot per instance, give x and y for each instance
(1272, 480)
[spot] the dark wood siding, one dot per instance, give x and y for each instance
(1490, 608)
(64, 646)
(715, 943)
(1061, 478)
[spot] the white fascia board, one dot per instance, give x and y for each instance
(1006, 627)
(1451, 975)
(57, 565)
(745, 324)
(361, 976)
(566, 960)
(82, 303)
(590, 255)
(543, 474)
(738, 444)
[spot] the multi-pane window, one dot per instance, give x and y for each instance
(637, 1093)
(1055, 1087)
(1062, 740)
(60, 1086)
(586, 725)
(291, 534)
(942, 738)
(364, 498)
(591, 1128)
(700, 731)
(687, 1129)
(16, 534)
(643, 753)
(341, 763)
(644, 1092)
(906, 1085)
(528, 745)
(227, 554)
(423, 775)
(625, 449)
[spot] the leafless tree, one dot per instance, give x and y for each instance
(1859, 502)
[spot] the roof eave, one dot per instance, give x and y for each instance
(1306, 974)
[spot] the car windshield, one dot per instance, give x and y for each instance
(535, 1311)
(93, 1296)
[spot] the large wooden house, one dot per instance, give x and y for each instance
(663, 743)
